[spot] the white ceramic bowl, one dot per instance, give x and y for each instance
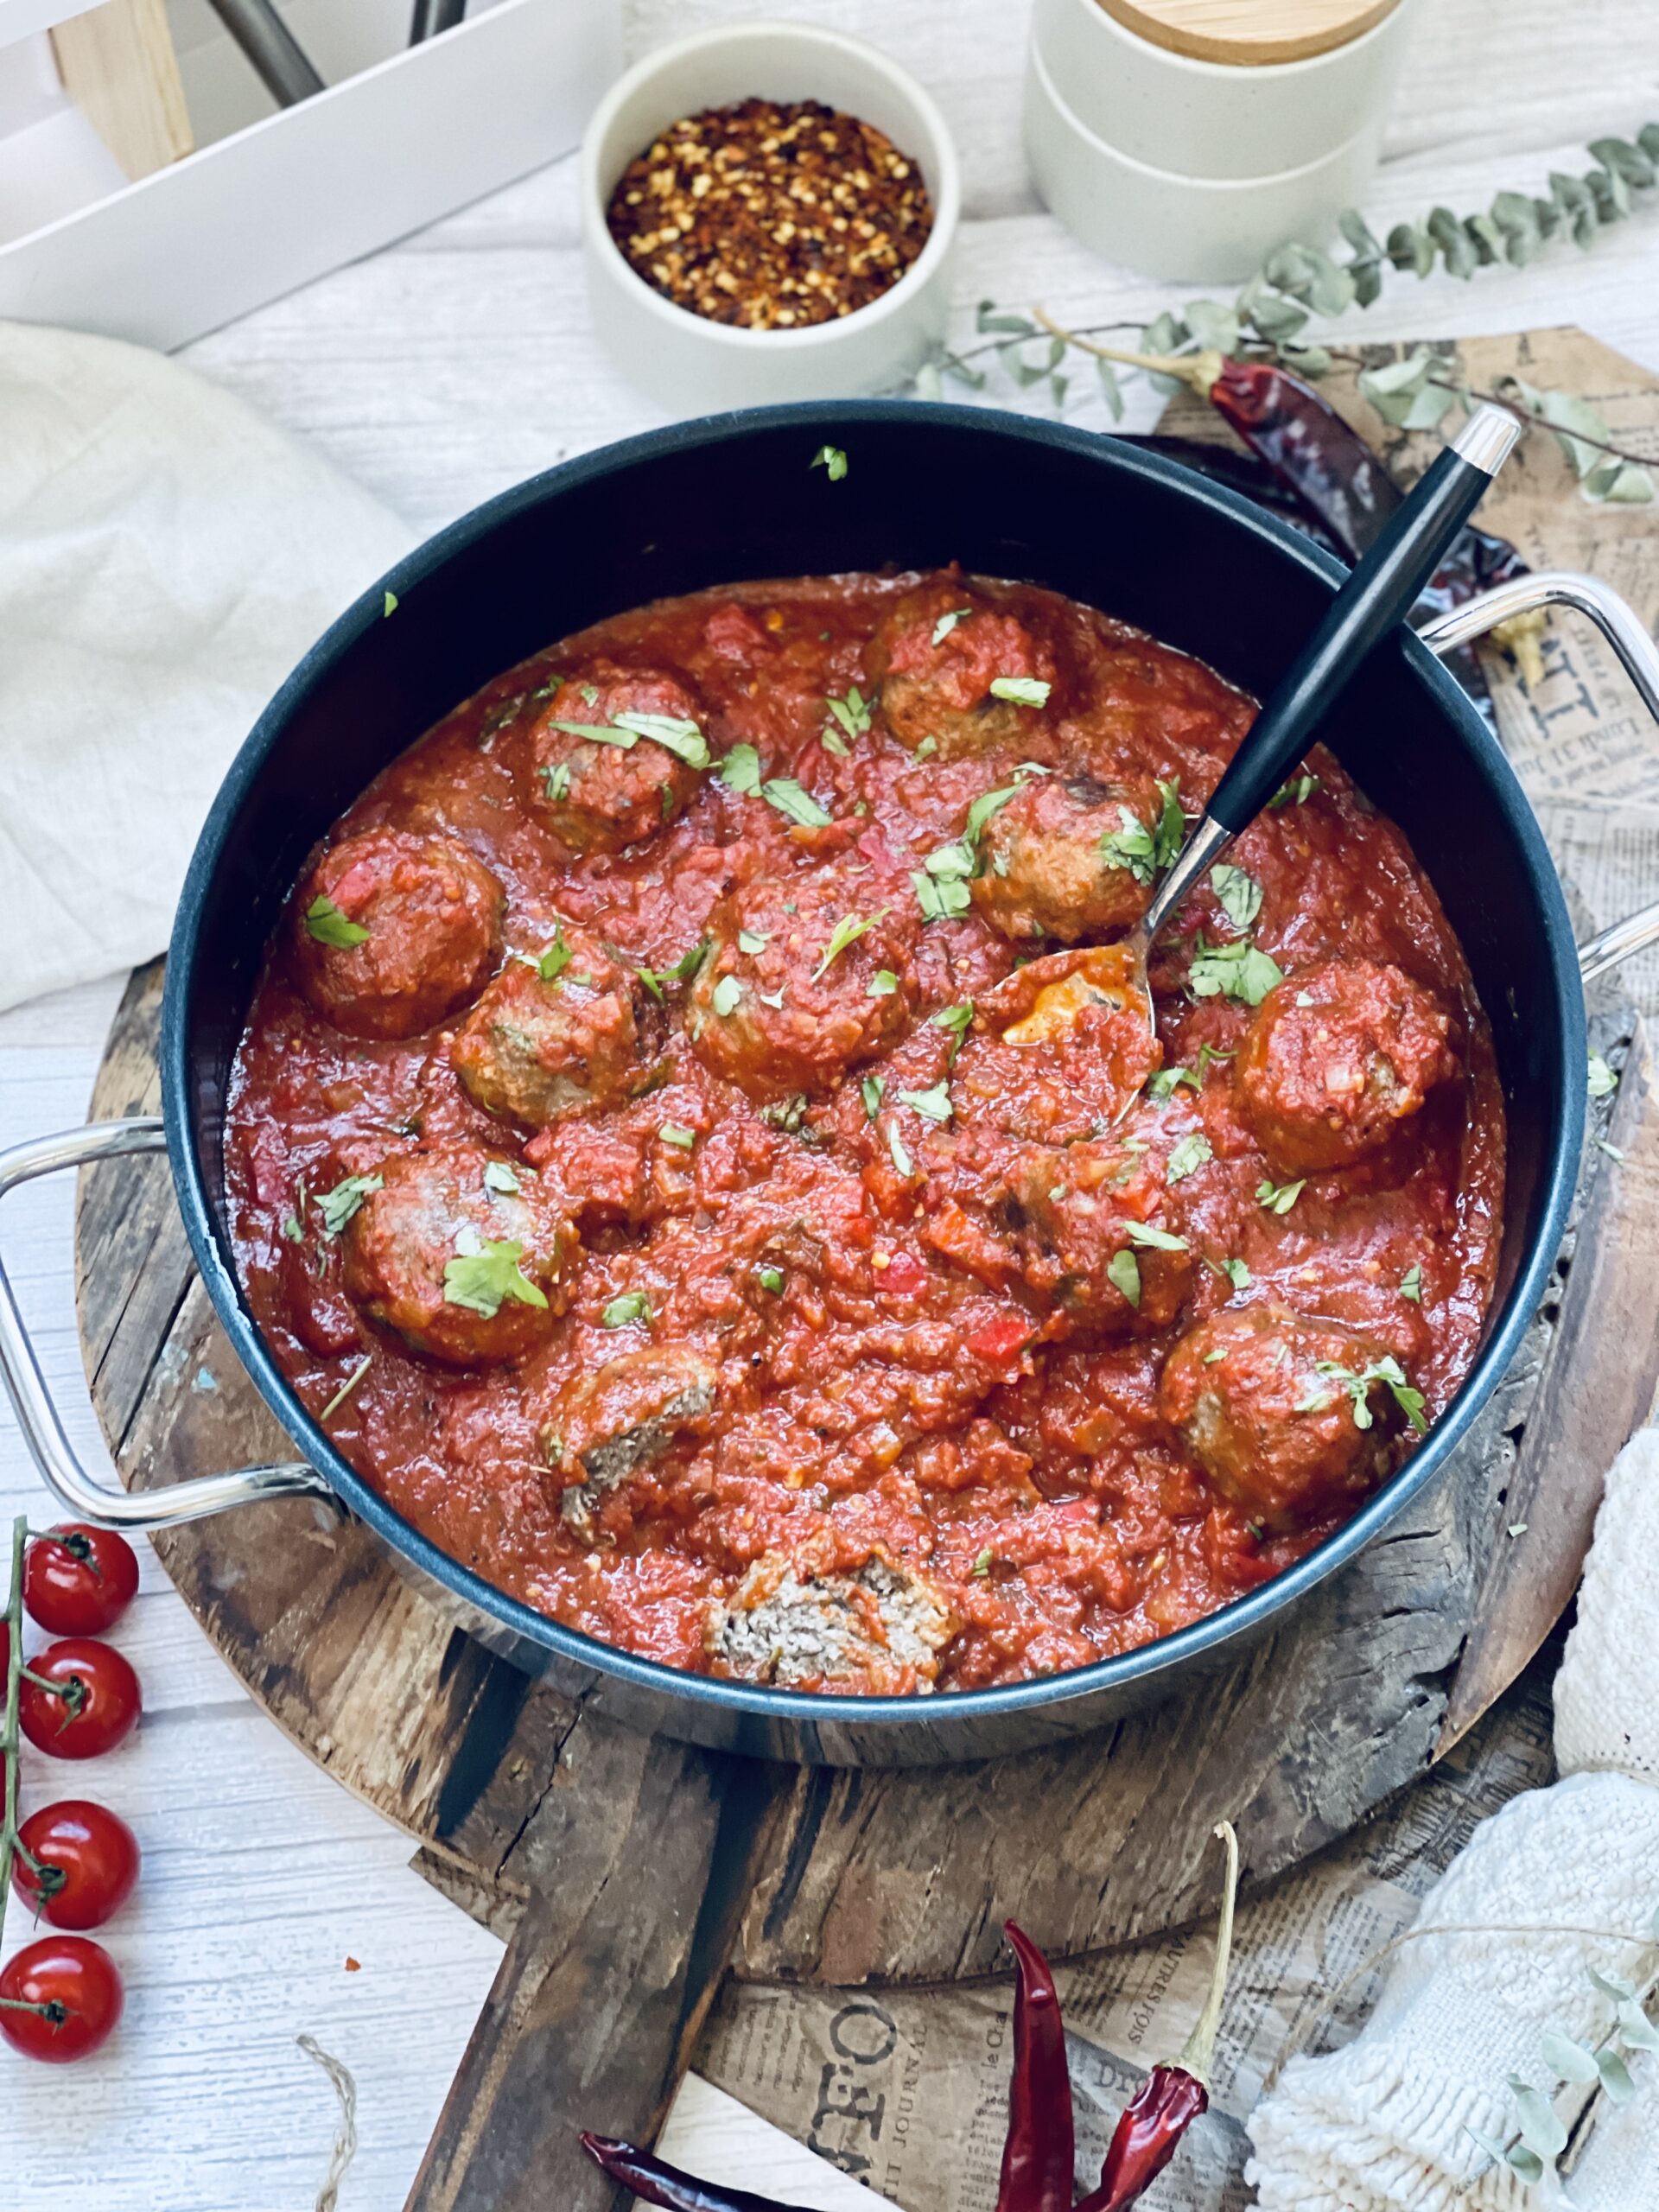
(1211, 118)
(691, 366)
(1181, 228)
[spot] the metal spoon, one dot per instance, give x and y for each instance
(1379, 593)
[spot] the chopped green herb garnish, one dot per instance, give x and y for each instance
(947, 623)
(1236, 1273)
(901, 1158)
(1123, 1273)
(1239, 893)
(1386, 1369)
(501, 1175)
(1161, 1085)
(933, 1105)
(770, 1279)
(787, 1113)
(1188, 1156)
(752, 941)
(557, 777)
(1021, 690)
(832, 460)
(291, 1230)
(1601, 1081)
(853, 712)
(831, 743)
(555, 959)
(329, 926)
(671, 1133)
(1170, 834)
(590, 694)
(1279, 1198)
(347, 1388)
(870, 1090)
(1130, 846)
(338, 1205)
(675, 734)
(1296, 793)
(848, 931)
(787, 796)
(725, 996)
(958, 1019)
(926, 749)
(740, 769)
(599, 733)
(882, 984)
(939, 896)
(1233, 971)
(632, 1305)
(1411, 1284)
(388, 604)
(1153, 1239)
(982, 1565)
(656, 980)
(483, 1279)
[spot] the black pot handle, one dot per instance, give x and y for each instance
(82, 1496)
(1627, 634)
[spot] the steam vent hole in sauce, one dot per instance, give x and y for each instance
(673, 1153)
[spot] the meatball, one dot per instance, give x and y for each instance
(1337, 1060)
(393, 930)
(936, 656)
(1290, 1418)
(468, 1258)
(606, 1425)
(600, 792)
(1068, 858)
(878, 1632)
(805, 977)
(552, 1036)
(1079, 1215)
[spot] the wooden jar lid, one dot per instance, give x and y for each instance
(1248, 32)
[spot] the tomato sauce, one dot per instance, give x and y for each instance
(846, 1371)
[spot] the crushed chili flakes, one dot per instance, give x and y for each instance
(770, 215)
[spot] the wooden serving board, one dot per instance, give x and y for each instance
(630, 1872)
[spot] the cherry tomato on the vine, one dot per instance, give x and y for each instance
(79, 1580)
(59, 1998)
(93, 1705)
(89, 1858)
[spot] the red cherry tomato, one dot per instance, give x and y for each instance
(79, 1580)
(90, 1859)
(74, 1993)
(101, 1704)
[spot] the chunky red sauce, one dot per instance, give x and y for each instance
(678, 1162)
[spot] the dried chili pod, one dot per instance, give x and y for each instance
(1038, 2156)
(655, 2182)
(1170, 2098)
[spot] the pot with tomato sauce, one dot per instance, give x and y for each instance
(627, 1136)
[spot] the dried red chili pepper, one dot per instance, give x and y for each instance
(655, 2182)
(1038, 2158)
(1170, 2098)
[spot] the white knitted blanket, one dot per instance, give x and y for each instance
(1397, 2121)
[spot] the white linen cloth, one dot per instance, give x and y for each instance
(1383, 2125)
(166, 557)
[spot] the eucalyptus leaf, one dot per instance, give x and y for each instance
(1292, 268)
(1615, 2076)
(1566, 2059)
(1541, 2127)
(1610, 1986)
(1367, 283)
(1331, 292)
(1108, 384)
(1216, 327)
(1453, 240)
(1620, 483)
(963, 372)
(1310, 361)
(990, 319)
(1411, 248)
(1486, 239)
(1635, 2031)
(1611, 193)
(1648, 139)
(1277, 318)
(1624, 160)
(1359, 234)
(929, 384)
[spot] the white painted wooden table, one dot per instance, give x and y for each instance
(436, 373)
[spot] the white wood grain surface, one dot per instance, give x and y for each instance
(436, 373)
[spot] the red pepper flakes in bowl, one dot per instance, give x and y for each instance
(770, 215)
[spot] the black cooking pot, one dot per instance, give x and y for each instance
(734, 498)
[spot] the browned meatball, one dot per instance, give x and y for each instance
(790, 997)
(1067, 857)
(1336, 1059)
(468, 1258)
(938, 655)
(552, 1036)
(391, 931)
(605, 1427)
(1080, 1217)
(601, 792)
(1289, 1417)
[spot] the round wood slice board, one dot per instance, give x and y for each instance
(883, 1877)
(1249, 33)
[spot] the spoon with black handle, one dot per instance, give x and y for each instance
(1379, 593)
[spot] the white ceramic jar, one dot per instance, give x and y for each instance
(1184, 168)
(690, 366)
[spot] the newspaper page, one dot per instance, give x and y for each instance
(907, 2089)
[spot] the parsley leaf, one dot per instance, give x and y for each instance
(600, 733)
(1279, 1198)
(557, 777)
(882, 984)
(1123, 1273)
(958, 1019)
(853, 712)
(947, 623)
(671, 1133)
(770, 1279)
(870, 1090)
(329, 926)
(725, 996)
(1386, 1369)
(681, 738)
(1236, 1273)
(555, 959)
(787, 796)
(848, 931)
(1170, 834)
(901, 1158)
(338, 1205)
(1296, 793)
(632, 1305)
(501, 1175)
(1189, 1155)
(939, 897)
(1601, 1081)
(1021, 690)
(483, 1280)
(1161, 1085)
(1153, 1239)
(1233, 971)
(656, 980)
(740, 769)
(388, 604)
(752, 941)
(933, 1105)
(1239, 893)
(1131, 846)
(832, 460)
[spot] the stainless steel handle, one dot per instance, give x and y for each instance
(81, 1496)
(1627, 634)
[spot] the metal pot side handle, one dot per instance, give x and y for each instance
(1627, 634)
(80, 1495)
